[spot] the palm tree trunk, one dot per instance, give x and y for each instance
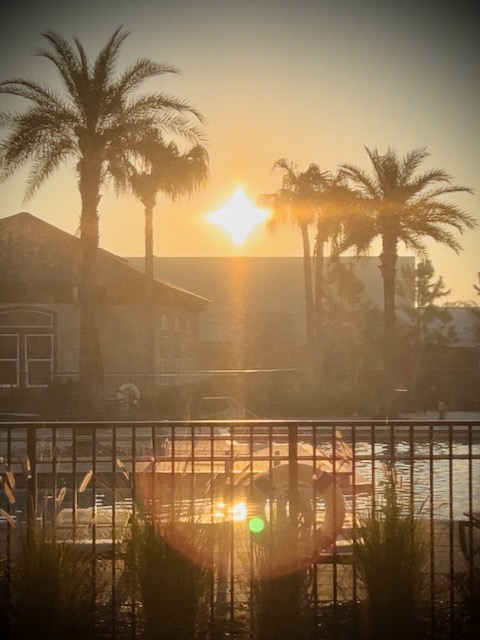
(309, 306)
(319, 282)
(388, 267)
(150, 345)
(90, 359)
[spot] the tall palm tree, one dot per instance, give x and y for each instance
(400, 206)
(296, 203)
(161, 168)
(94, 120)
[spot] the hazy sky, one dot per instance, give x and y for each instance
(310, 80)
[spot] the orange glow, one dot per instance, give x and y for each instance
(238, 217)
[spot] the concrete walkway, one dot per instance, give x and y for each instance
(449, 415)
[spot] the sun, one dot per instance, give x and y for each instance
(238, 217)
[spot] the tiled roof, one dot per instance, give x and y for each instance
(35, 252)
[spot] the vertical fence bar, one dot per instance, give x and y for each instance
(431, 533)
(334, 435)
(315, 507)
(134, 479)
(451, 556)
(114, 466)
(9, 511)
(469, 514)
(353, 432)
(54, 484)
(74, 479)
(293, 477)
(31, 481)
(93, 438)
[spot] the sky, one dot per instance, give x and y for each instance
(309, 81)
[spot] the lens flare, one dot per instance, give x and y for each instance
(239, 512)
(238, 217)
(256, 524)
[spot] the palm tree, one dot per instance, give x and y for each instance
(163, 169)
(331, 197)
(295, 203)
(400, 206)
(310, 198)
(94, 120)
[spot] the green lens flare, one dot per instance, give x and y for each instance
(256, 524)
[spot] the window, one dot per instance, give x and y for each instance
(189, 325)
(9, 371)
(177, 356)
(177, 325)
(164, 323)
(39, 352)
(163, 359)
(189, 354)
(26, 347)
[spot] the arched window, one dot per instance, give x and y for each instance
(26, 347)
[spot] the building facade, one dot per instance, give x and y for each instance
(40, 315)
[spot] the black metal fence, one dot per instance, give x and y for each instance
(247, 501)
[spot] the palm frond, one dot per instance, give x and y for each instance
(442, 190)
(411, 162)
(284, 165)
(381, 163)
(33, 133)
(46, 165)
(83, 58)
(416, 186)
(413, 241)
(105, 62)
(140, 71)
(360, 179)
(64, 58)
(164, 169)
(439, 235)
(358, 233)
(159, 104)
(29, 89)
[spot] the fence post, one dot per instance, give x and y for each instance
(293, 476)
(31, 481)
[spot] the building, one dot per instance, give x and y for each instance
(39, 314)
(452, 372)
(256, 318)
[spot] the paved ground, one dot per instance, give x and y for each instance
(450, 415)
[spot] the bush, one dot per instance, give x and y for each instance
(281, 590)
(389, 555)
(169, 584)
(47, 589)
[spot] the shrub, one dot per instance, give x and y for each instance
(389, 554)
(281, 590)
(47, 589)
(170, 585)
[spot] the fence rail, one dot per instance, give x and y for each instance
(223, 490)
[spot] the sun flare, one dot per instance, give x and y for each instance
(238, 217)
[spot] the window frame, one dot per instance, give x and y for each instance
(42, 323)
